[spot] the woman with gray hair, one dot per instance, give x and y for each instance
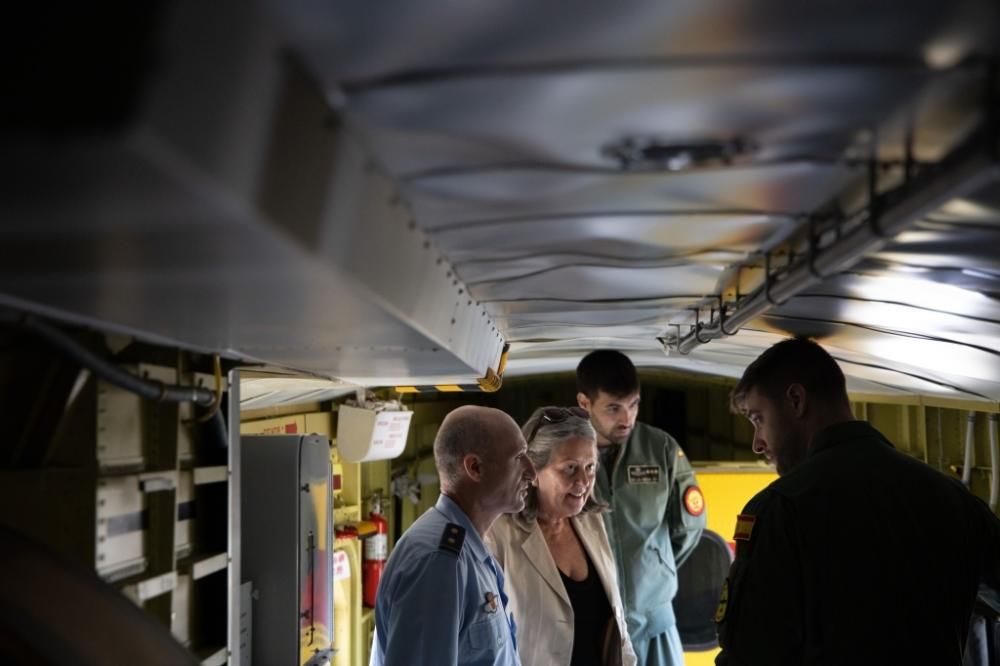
(555, 552)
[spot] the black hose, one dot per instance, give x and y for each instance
(217, 429)
(151, 389)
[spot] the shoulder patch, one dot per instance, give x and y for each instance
(720, 610)
(452, 538)
(694, 501)
(744, 526)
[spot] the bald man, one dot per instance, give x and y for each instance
(441, 599)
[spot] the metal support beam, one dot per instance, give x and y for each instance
(368, 232)
(227, 214)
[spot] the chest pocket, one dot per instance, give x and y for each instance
(486, 634)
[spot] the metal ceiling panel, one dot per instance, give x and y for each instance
(920, 365)
(601, 283)
(611, 253)
(649, 331)
(542, 307)
(355, 42)
(258, 392)
(623, 236)
(573, 117)
(957, 245)
(725, 358)
(449, 205)
(899, 325)
(570, 314)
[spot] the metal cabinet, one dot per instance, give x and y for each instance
(287, 547)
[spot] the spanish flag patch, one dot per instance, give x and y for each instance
(744, 526)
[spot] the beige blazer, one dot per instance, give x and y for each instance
(538, 598)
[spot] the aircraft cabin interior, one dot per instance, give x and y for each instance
(252, 253)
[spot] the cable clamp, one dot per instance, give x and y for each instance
(722, 317)
(768, 279)
(814, 250)
(698, 327)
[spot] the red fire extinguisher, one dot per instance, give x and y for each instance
(376, 553)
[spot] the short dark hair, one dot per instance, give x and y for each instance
(791, 361)
(606, 370)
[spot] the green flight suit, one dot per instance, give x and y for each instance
(861, 555)
(652, 530)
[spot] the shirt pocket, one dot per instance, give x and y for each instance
(485, 634)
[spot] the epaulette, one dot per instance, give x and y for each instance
(453, 538)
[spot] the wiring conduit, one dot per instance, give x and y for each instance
(994, 462)
(109, 372)
(970, 441)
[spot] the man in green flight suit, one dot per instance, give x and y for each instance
(657, 510)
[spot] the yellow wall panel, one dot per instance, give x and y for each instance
(279, 425)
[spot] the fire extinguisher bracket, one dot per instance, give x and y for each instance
(365, 528)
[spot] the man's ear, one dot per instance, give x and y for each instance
(583, 401)
(797, 398)
(473, 466)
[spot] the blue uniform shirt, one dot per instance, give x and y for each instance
(437, 606)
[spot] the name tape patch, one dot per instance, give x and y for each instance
(643, 473)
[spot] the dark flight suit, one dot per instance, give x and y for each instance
(656, 518)
(861, 555)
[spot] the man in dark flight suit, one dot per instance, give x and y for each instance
(858, 554)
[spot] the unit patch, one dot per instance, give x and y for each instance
(720, 611)
(643, 473)
(453, 538)
(694, 501)
(744, 526)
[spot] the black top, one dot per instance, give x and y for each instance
(860, 555)
(591, 614)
